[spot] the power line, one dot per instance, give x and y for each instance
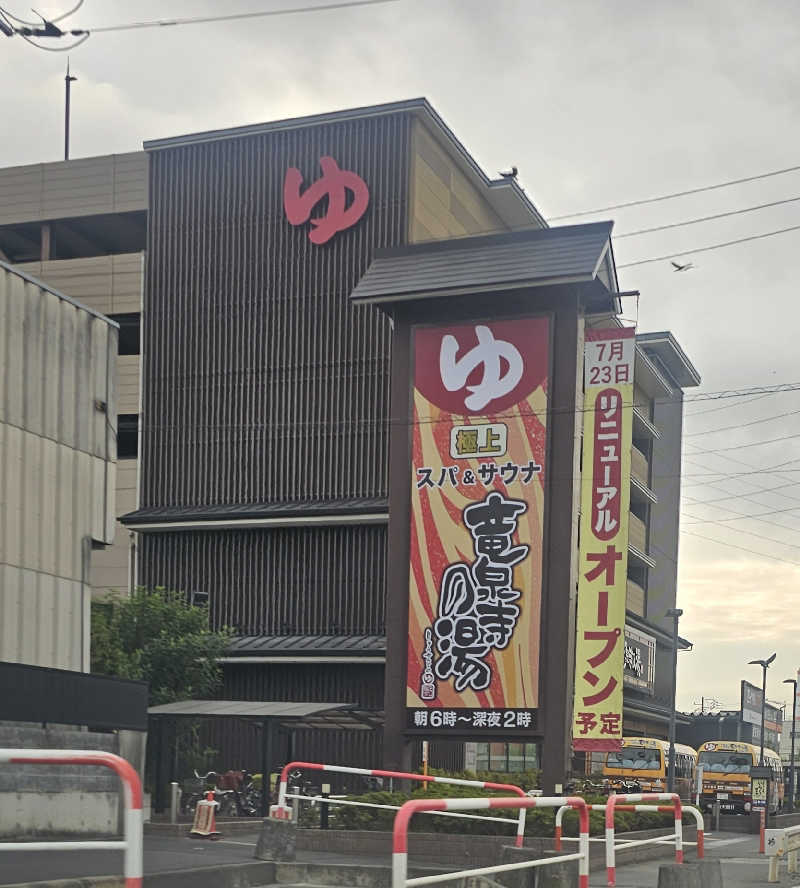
(692, 251)
(759, 536)
(743, 425)
(774, 203)
(52, 21)
(161, 23)
(751, 444)
(740, 548)
(741, 517)
(738, 496)
(726, 406)
(674, 194)
(55, 48)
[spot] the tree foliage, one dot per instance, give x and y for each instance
(158, 637)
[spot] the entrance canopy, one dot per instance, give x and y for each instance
(272, 716)
(342, 716)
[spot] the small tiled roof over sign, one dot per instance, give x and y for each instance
(572, 254)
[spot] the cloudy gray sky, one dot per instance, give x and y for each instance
(596, 103)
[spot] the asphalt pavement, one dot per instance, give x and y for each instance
(161, 854)
(742, 865)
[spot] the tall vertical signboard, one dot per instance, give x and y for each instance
(603, 554)
(477, 503)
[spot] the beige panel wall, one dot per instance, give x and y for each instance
(635, 599)
(109, 284)
(57, 469)
(110, 566)
(115, 183)
(113, 285)
(444, 203)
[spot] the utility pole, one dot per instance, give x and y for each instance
(676, 613)
(67, 82)
(793, 683)
(764, 664)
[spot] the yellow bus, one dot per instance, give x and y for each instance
(726, 768)
(643, 762)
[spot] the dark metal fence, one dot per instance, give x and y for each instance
(60, 696)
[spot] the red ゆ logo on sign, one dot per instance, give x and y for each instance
(333, 184)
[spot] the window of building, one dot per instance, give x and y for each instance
(127, 436)
(129, 332)
(507, 757)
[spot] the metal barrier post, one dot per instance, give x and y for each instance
(615, 799)
(132, 843)
(323, 807)
(174, 802)
(400, 838)
(280, 811)
(715, 810)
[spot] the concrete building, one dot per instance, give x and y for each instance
(80, 227)
(57, 468)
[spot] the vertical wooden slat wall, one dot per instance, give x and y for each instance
(262, 384)
(288, 581)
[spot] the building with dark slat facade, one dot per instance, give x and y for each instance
(263, 417)
(265, 399)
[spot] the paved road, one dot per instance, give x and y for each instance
(742, 865)
(161, 854)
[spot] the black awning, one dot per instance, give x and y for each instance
(341, 716)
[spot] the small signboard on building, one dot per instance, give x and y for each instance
(639, 665)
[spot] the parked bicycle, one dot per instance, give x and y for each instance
(234, 792)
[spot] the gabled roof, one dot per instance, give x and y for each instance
(505, 195)
(571, 254)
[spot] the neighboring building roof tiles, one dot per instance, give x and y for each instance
(244, 511)
(308, 644)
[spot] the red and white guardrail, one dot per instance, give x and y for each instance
(615, 800)
(131, 843)
(282, 812)
(650, 809)
(416, 806)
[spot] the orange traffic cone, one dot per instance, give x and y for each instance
(205, 820)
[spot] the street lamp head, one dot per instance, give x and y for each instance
(674, 612)
(791, 681)
(764, 664)
(772, 658)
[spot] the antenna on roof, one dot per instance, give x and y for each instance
(68, 82)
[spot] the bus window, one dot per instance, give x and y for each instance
(636, 758)
(726, 762)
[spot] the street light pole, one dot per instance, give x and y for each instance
(764, 664)
(676, 613)
(793, 683)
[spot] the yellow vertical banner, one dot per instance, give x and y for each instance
(603, 551)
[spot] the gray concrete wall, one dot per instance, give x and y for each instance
(57, 469)
(57, 800)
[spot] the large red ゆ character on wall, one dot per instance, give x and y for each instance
(333, 184)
